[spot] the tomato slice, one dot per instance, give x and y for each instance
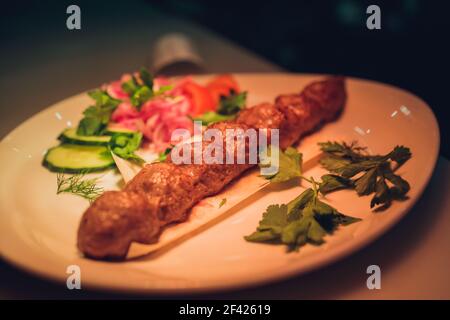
(201, 98)
(216, 91)
(226, 80)
(221, 86)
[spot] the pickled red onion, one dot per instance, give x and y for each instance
(157, 117)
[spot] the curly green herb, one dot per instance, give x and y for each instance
(78, 185)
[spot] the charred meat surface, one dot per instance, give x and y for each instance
(164, 193)
(114, 220)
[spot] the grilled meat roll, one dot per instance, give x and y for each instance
(164, 193)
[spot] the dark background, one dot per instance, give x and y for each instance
(410, 51)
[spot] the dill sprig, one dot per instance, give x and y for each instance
(76, 184)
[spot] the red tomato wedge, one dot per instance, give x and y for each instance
(221, 86)
(226, 80)
(201, 98)
(216, 91)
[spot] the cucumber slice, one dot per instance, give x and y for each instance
(71, 158)
(70, 136)
(114, 129)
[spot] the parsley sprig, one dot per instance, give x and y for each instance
(124, 145)
(289, 164)
(303, 220)
(232, 104)
(307, 219)
(140, 89)
(96, 117)
(353, 168)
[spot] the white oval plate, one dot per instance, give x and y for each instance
(38, 228)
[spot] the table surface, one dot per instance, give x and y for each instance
(413, 256)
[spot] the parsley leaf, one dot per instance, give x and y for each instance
(130, 86)
(146, 77)
(262, 236)
(342, 150)
(316, 232)
(381, 193)
(140, 90)
(352, 167)
(289, 165)
(90, 126)
(334, 164)
(332, 182)
(103, 99)
(298, 204)
(366, 183)
(291, 232)
(341, 219)
(305, 219)
(125, 145)
(141, 95)
(275, 218)
(96, 117)
(232, 104)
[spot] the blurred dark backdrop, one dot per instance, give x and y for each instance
(410, 51)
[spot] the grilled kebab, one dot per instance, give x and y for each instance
(163, 193)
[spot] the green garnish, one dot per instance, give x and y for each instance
(140, 91)
(140, 96)
(212, 117)
(304, 220)
(232, 104)
(222, 203)
(77, 185)
(289, 165)
(332, 182)
(130, 86)
(228, 108)
(146, 77)
(96, 117)
(163, 89)
(125, 145)
(163, 155)
(366, 174)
